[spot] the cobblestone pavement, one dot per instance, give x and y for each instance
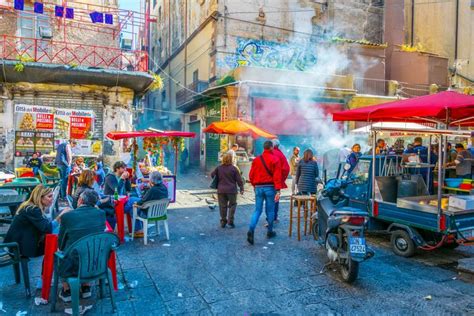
(204, 270)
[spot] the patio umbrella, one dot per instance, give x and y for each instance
(448, 107)
(238, 127)
(400, 125)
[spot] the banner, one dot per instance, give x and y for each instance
(44, 142)
(81, 127)
(24, 143)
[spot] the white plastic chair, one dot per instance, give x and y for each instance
(54, 206)
(156, 211)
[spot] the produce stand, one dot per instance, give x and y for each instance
(153, 144)
(412, 216)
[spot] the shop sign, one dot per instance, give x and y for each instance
(224, 109)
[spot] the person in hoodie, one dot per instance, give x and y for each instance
(285, 171)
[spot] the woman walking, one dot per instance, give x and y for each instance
(229, 178)
(306, 173)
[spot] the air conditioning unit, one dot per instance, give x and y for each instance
(45, 32)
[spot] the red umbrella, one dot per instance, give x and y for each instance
(446, 107)
(122, 135)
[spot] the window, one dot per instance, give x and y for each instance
(154, 4)
(196, 76)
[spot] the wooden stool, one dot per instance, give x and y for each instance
(302, 200)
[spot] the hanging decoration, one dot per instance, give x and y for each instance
(19, 5)
(59, 11)
(69, 13)
(38, 7)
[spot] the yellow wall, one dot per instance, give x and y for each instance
(360, 101)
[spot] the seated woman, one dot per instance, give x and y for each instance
(30, 224)
(157, 190)
(87, 182)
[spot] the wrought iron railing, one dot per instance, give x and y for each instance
(65, 53)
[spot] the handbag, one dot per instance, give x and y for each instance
(215, 180)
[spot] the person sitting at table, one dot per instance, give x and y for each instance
(119, 181)
(34, 163)
(100, 172)
(87, 182)
(30, 224)
(157, 190)
(78, 166)
(86, 219)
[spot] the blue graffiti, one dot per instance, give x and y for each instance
(267, 54)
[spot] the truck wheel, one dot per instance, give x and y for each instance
(402, 244)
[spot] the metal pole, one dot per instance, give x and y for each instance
(428, 174)
(440, 175)
(374, 142)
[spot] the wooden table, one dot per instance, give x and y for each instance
(51, 246)
(302, 200)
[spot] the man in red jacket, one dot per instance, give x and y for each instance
(285, 171)
(265, 176)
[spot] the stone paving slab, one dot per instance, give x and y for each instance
(206, 270)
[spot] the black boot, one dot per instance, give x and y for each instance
(271, 234)
(250, 237)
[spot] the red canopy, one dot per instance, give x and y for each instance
(444, 107)
(122, 135)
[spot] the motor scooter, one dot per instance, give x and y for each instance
(340, 228)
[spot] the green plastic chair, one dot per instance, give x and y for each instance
(26, 180)
(10, 255)
(47, 181)
(93, 252)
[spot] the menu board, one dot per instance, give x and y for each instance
(24, 143)
(170, 184)
(44, 142)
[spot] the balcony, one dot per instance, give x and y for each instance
(185, 95)
(75, 55)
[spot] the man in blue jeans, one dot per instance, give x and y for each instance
(63, 162)
(265, 176)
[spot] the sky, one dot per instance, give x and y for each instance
(130, 5)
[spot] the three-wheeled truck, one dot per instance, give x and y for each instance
(398, 199)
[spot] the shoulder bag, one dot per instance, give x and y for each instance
(265, 166)
(215, 180)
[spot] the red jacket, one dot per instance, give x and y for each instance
(259, 176)
(285, 167)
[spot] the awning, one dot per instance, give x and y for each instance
(122, 135)
(237, 127)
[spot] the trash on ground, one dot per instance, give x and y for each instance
(428, 298)
(21, 313)
(1, 307)
(186, 217)
(182, 238)
(180, 294)
(120, 286)
(264, 247)
(82, 310)
(151, 239)
(455, 278)
(133, 284)
(166, 245)
(271, 243)
(40, 301)
(202, 234)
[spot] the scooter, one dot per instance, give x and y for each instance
(340, 229)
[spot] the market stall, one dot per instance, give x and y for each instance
(154, 144)
(403, 206)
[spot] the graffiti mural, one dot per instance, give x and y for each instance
(250, 52)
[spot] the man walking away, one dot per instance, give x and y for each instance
(285, 171)
(265, 176)
(63, 162)
(293, 164)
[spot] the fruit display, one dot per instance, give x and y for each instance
(27, 122)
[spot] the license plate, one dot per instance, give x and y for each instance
(357, 246)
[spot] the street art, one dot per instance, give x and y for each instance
(250, 52)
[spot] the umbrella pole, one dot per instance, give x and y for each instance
(175, 159)
(440, 175)
(374, 143)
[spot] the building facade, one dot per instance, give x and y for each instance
(284, 65)
(65, 78)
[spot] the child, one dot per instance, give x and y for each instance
(35, 163)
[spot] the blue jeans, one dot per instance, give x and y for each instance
(128, 209)
(63, 173)
(267, 194)
(277, 206)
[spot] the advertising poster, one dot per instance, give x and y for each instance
(24, 143)
(44, 121)
(44, 142)
(61, 123)
(81, 127)
(31, 117)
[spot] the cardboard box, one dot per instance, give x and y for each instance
(463, 202)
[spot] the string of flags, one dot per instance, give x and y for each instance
(68, 13)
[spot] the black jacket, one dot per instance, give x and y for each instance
(28, 229)
(156, 192)
(111, 183)
(78, 223)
